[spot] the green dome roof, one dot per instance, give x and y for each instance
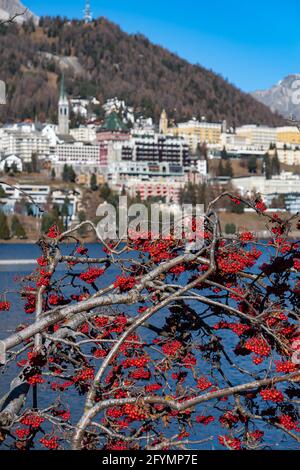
(114, 123)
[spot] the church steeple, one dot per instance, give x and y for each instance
(63, 109)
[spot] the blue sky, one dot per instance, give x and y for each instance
(252, 43)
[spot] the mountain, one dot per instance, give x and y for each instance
(8, 8)
(99, 59)
(284, 97)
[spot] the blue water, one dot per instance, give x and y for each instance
(9, 280)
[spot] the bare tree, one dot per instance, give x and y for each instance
(223, 348)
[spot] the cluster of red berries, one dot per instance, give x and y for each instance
(233, 443)
(272, 394)
(5, 306)
(260, 206)
(238, 328)
(53, 232)
(42, 261)
(179, 269)
(133, 412)
(135, 362)
(91, 275)
(99, 353)
(171, 347)
(288, 423)
(234, 261)
(256, 435)
(50, 442)
(153, 388)
(55, 299)
(30, 300)
(33, 420)
(229, 419)
(125, 283)
(258, 346)
(205, 419)
(35, 379)
(203, 384)
(100, 321)
(246, 237)
(297, 264)
(44, 279)
(81, 250)
(285, 366)
(189, 361)
(22, 433)
(117, 445)
(140, 374)
(84, 375)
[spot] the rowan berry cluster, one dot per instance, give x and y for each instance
(203, 384)
(22, 433)
(5, 306)
(41, 261)
(35, 379)
(260, 206)
(285, 366)
(153, 388)
(125, 283)
(205, 419)
(91, 275)
(258, 346)
(171, 347)
(288, 423)
(33, 420)
(231, 442)
(53, 232)
(84, 375)
(272, 394)
(135, 362)
(246, 237)
(50, 442)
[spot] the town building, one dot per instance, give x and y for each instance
(79, 155)
(63, 110)
(197, 132)
(11, 162)
(289, 155)
(259, 136)
(288, 135)
(286, 183)
(24, 143)
(84, 134)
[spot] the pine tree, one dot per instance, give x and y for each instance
(17, 228)
(93, 182)
(275, 165)
(228, 169)
(224, 154)
(4, 228)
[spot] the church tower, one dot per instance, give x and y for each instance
(163, 123)
(63, 110)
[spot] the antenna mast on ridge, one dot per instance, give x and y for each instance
(87, 12)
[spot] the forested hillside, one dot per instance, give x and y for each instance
(100, 59)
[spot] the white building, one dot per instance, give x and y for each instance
(119, 173)
(286, 183)
(289, 156)
(259, 136)
(11, 161)
(84, 134)
(24, 144)
(38, 193)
